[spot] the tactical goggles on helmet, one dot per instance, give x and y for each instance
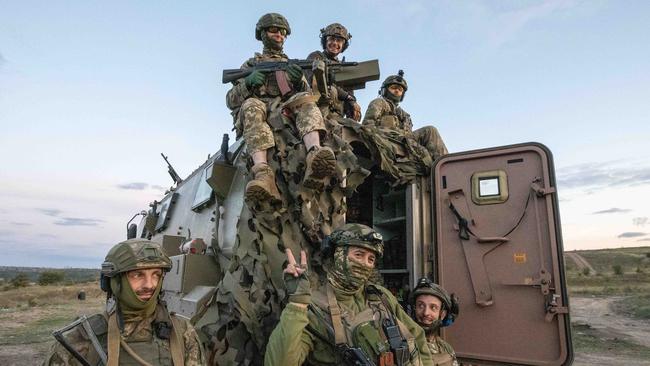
(282, 31)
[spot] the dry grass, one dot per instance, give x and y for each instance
(47, 295)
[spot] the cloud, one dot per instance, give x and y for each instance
(50, 211)
(47, 236)
(20, 223)
(160, 188)
(640, 221)
(136, 186)
(76, 221)
(2, 59)
(646, 239)
(612, 210)
(631, 234)
(603, 175)
(507, 25)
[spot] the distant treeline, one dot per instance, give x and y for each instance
(75, 275)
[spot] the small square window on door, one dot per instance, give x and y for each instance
(489, 187)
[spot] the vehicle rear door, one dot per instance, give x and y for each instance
(498, 247)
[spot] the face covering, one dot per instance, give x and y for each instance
(132, 307)
(270, 45)
(347, 275)
(392, 97)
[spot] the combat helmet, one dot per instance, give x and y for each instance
(357, 235)
(336, 30)
(394, 79)
(132, 254)
(449, 303)
(271, 20)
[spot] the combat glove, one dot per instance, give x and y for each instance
(255, 79)
(295, 74)
(298, 288)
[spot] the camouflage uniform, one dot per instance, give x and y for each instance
(308, 334)
(385, 112)
(131, 328)
(251, 107)
(441, 352)
(340, 102)
(138, 335)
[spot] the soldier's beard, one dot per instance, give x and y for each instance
(271, 44)
(347, 275)
(431, 328)
(133, 309)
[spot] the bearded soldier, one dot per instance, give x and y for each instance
(136, 328)
(252, 98)
(434, 308)
(335, 39)
(385, 112)
(347, 321)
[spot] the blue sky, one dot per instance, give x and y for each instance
(91, 93)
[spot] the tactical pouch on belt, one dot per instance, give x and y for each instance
(398, 345)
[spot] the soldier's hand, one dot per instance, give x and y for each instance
(355, 111)
(295, 74)
(296, 279)
(254, 79)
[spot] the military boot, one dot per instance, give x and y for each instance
(320, 163)
(262, 187)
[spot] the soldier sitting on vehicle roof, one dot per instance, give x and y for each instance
(253, 98)
(335, 39)
(135, 321)
(433, 308)
(385, 112)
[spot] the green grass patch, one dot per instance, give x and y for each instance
(637, 306)
(603, 260)
(629, 283)
(587, 340)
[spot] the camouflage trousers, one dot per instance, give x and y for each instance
(430, 138)
(254, 119)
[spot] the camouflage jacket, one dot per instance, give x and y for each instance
(267, 91)
(302, 332)
(138, 334)
(441, 352)
(384, 113)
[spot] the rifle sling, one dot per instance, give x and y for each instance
(340, 337)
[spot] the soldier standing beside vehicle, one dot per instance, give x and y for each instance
(385, 112)
(347, 321)
(335, 39)
(252, 100)
(434, 308)
(136, 328)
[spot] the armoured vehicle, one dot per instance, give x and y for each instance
(484, 224)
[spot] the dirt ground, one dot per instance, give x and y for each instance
(601, 336)
(26, 330)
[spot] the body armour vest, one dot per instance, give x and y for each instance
(363, 330)
(147, 345)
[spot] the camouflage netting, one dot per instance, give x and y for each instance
(251, 295)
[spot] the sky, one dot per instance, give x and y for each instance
(92, 92)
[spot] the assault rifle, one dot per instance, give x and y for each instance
(349, 75)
